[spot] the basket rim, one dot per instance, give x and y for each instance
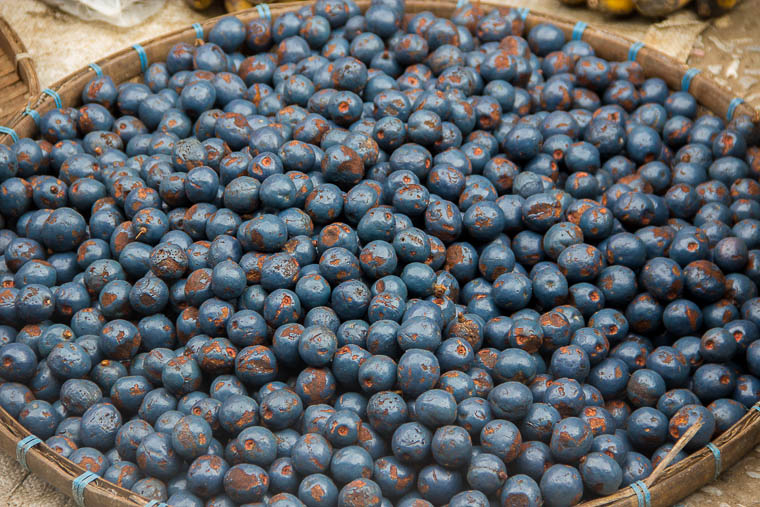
(699, 81)
(60, 471)
(25, 66)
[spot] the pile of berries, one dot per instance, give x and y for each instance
(380, 259)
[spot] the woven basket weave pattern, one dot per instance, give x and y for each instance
(675, 483)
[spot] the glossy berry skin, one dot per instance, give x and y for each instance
(68, 360)
(360, 492)
(129, 436)
(419, 333)
(609, 377)
(534, 458)
(100, 424)
(561, 485)
(501, 438)
(486, 473)
(318, 489)
(128, 392)
(13, 397)
(377, 374)
(206, 475)
(571, 439)
(280, 409)
(259, 445)
(580, 262)
(411, 443)
(311, 454)
(256, 365)
(122, 473)
(191, 437)
(246, 483)
(645, 387)
(647, 428)
(473, 413)
(341, 164)
(636, 467)
(717, 345)
(521, 488)
(704, 280)
(539, 421)
(670, 364)
(39, 418)
(156, 456)
(237, 413)
(565, 395)
(282, 477)
(512, 291)
(90, 459)
(688, 415)
(726, 412)
(601, 473)
(317, 345)
(350, 461)
(570, 361)
(437, 483)
(18, 362)
(35, 303)
(611, 445)
(745, 390)
(451, 446)
(418, 371)
(181, 375)
(712, 381)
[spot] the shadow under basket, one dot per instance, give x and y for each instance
(664, 487)
(18, 79)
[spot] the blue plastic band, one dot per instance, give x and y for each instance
(10, 132)
(198, 30)
(23, 446)
(639, 493)
(633, 52)
(264, 12)
(716, 454)
(687, 77)
(756, 406)
(732, 107)
(94, 66)
(79, 484)
(143, 57)
(578, 30)
(642, 494)
(34, 114)
(56, 97)
(461, 3)
(523, 12)
(647, 495)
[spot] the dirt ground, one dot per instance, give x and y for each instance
(728, 47)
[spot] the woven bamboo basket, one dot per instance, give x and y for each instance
(664, 487)
(18, 80)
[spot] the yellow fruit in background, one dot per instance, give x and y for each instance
(659, 8)
(237, 5)
(615, 7)
(199, 5)
(710, 8)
